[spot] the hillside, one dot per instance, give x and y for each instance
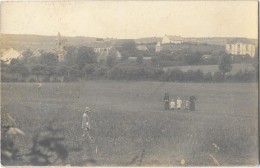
(216, 40)
(21, 42)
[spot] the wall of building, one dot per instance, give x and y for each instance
(165, 40)
(241, 49)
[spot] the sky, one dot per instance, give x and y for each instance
(132, 19)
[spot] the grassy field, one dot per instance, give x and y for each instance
(214, 68)
(130, 126)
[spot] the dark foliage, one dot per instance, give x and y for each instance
(47, 148)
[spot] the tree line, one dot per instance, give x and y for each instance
(80, 63)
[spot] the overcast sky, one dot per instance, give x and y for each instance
(132, 19)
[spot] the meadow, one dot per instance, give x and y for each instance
(214, 68)
(130, 127)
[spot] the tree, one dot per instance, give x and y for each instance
(193, 58)
(17, 66)
(27, 56)
(111, 61)
(85, 56)
(88, 69)
(71, 55)
(49, 61)
(129, 46)
(128, 49)
(139, 60)
(155, 61)
(224, 65)
(37, 69)
(48, 58)
(255, 60)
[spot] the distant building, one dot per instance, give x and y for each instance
(8, 54)
(144, 58)
(103, 53)
(206, 56)
(241, 47)
(102, 49)
(167, 39)
(158, 47)
(61, 44)
(142, 48)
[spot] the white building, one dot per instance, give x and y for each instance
(102, 49)
(142, 48)
(241, 48)
(8, 54)
(167, 39)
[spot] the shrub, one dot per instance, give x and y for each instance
(218, 77)
(245, 76)
(176, 75)
(32, 80)
(139, 60)
(208, 77)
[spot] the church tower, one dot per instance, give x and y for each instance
(60, 47)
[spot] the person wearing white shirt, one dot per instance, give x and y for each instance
(172, 105)
(85, 121)
(179, 103)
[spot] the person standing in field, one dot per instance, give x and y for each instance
(192, 103)
(179, 103)
(86, 132)
(187, 104)
(166, 101)
(172, 105)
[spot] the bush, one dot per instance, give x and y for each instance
(139, 60)
(32, 80)
(208, 77)
(245, 76)
(218, 77)
(101, 71)
(46, 79)
(176, 75)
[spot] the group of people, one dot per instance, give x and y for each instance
(189, 104)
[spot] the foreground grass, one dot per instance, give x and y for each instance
(130, 126)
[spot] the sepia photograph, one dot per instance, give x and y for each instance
(129, 83)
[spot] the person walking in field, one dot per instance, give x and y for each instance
(179, 103)
(85, 122)
(86, 131)
(166, 101)
(172, 105)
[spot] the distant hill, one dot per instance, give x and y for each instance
(207, 40)
(48, 43)
(215, 40)
(21, 42)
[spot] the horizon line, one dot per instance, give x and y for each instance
(131, 38)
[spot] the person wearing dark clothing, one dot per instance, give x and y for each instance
(192, 103)
(166, 101)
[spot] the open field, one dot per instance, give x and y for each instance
(214, 68)
(130, 126)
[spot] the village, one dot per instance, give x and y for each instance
(129, 83)
(162, 54)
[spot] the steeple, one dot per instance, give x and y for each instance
(60, 44)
